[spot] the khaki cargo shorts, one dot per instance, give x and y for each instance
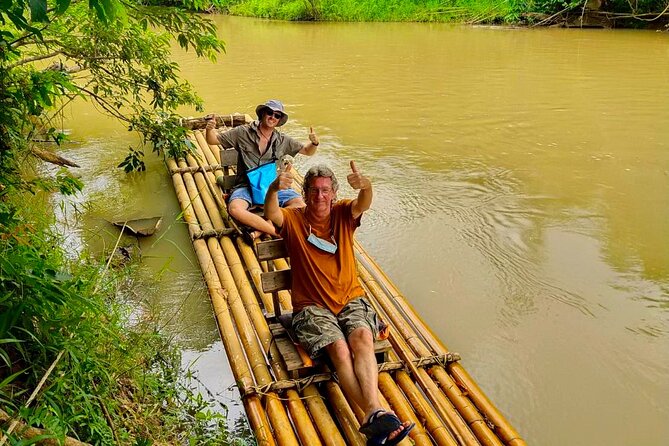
(317, 327)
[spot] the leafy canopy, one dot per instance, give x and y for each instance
(114, 53)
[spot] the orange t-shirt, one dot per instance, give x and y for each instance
(318, 277)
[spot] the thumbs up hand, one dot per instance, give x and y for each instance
(312, 137)
(211, 122)
(285, 177)
(356, 179)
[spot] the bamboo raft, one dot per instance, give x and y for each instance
(421, 381)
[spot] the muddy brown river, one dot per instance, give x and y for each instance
(521, 202)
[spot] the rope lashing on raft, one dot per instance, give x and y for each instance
(391, 366)
(194, 169)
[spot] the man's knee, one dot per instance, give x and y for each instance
(361, 339)
(237, 206)
(338, 351)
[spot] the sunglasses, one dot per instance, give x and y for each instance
(275, 115)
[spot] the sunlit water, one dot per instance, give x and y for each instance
(521, 201)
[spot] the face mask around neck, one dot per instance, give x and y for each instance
(321, 244)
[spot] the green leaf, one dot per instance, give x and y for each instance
(38, 10)
(10, 378)
(62, 5)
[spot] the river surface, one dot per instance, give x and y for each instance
(521, 202)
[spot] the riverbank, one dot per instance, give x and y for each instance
(581, 13)
(82, 356)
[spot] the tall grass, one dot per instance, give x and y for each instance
(375, 10)
(114, 383)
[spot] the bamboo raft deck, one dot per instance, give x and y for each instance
(421, 381)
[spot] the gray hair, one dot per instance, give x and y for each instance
(316, 171)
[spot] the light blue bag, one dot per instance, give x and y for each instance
(260, 178)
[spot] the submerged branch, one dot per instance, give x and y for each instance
(52, 158)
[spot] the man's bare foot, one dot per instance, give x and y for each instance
(399, 430)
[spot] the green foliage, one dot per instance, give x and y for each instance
(133, 161)
(464, 11)
(374, 10)
(116, 55)
(113, 384)
(554, 6)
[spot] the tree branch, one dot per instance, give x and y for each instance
(104, 104)
(33, 59)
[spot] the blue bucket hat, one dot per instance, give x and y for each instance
(274, 105)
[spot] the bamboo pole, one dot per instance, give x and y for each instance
(344, 414)
(184, 201)
(243, 286)
(254, 269)
(285, 299)
(204, 148)
(203, 153)
(196, 200)
(502, 428)
(431, 421)
(465, 407)
(259, 423)
(229, 120)
(181, 170)
(216, 193)
(206, 182)
(213, 233)
(403, 409)
(326, 426)
(207, 199)
(233, 348)
(306, 430)
(398, 321)
(299, 415)
(506, 432)
(278, 417)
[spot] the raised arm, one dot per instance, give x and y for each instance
(310, 147)
(211, 135)
(364, 188)
(282, 182)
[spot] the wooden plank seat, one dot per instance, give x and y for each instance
(298, 363)
(229, 159)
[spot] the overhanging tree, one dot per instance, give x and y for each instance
(114, 53)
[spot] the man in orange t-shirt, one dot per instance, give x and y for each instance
(331, 313)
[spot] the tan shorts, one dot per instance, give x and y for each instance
(317, 327)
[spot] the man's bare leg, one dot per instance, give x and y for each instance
(239, 210)
(361, 342)
(340, 354)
